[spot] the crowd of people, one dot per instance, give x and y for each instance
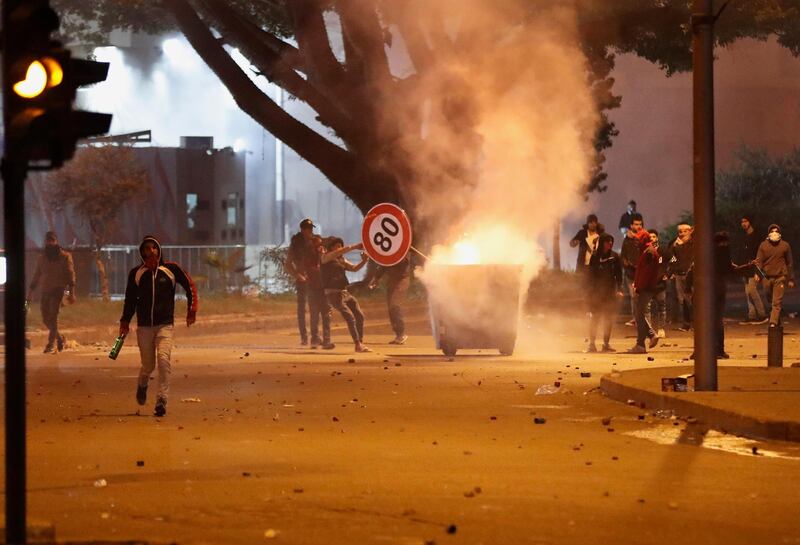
(648, 270)
(319, 268)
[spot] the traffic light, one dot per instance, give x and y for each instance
(40, 80)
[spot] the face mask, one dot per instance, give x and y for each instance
(774, 236)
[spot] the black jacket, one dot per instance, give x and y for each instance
(681, 258)
(151, 295)
(749, 247)
(605, 272)
(630, 254)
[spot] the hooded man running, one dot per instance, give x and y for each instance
(150, 293)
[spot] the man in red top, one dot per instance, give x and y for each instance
(645, 284)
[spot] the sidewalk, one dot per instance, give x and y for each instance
(757, 402)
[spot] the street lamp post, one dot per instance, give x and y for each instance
(705, 333)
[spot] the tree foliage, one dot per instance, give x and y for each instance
(288, 42)
(96, 184)
(766, 189)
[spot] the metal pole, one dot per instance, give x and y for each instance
(705, 335)
(557, 245)
(13, 207)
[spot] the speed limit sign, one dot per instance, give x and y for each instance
(386, 234)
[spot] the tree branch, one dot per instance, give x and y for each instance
(329, 158)
(248, 37)
(361, 27)
(312, 37)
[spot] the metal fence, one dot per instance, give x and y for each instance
(213, 268)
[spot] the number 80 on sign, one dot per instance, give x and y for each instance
(386, 234)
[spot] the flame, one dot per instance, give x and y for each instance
(464, 251)
(491, 243)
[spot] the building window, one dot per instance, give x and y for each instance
(191, 209)
(233, 199)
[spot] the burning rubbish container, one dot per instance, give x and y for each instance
(474, 306)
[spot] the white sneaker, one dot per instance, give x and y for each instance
(399, 340)
(661, 334)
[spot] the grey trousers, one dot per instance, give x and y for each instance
(774, 286)
(755, 306)
(684, 298)
(155, 347)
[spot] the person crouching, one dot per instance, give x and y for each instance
(605, 274)
(334, 282)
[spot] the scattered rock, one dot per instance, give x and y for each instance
(606, 421)
(452, 529)
(492, 418)
(247, 354)
(335, 419)
(139, 463)
(398, 364)
(270, 534)
(469, 494)
(673, 505)
(754, 356)
(298, 490)
(191, 400)
(585, 375)
(539, 420)
(650, 358)
(351, 360)
(100, 483)
(755, 451)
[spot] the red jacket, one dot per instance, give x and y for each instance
(647, 270)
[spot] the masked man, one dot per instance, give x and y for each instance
(56, 272)
(774, 257)
(151, 295)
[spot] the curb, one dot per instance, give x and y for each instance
(719, 419)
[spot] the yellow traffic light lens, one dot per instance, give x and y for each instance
(34, 83)
(55, 75)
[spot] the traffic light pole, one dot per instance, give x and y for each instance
(16, 470)
(14, 170)
(705, 329)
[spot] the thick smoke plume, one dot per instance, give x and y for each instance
(516, 88)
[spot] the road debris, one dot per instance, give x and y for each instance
(546, 389)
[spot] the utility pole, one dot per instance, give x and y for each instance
(39, 83)
(557, 245)
(705, 333)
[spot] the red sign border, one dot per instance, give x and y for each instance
(400, 215)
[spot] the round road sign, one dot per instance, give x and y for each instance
(386, 234)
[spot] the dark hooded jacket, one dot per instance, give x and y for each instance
(605, 271)
(151, 295)
(775, 258)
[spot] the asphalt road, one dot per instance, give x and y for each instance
(267, 442)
